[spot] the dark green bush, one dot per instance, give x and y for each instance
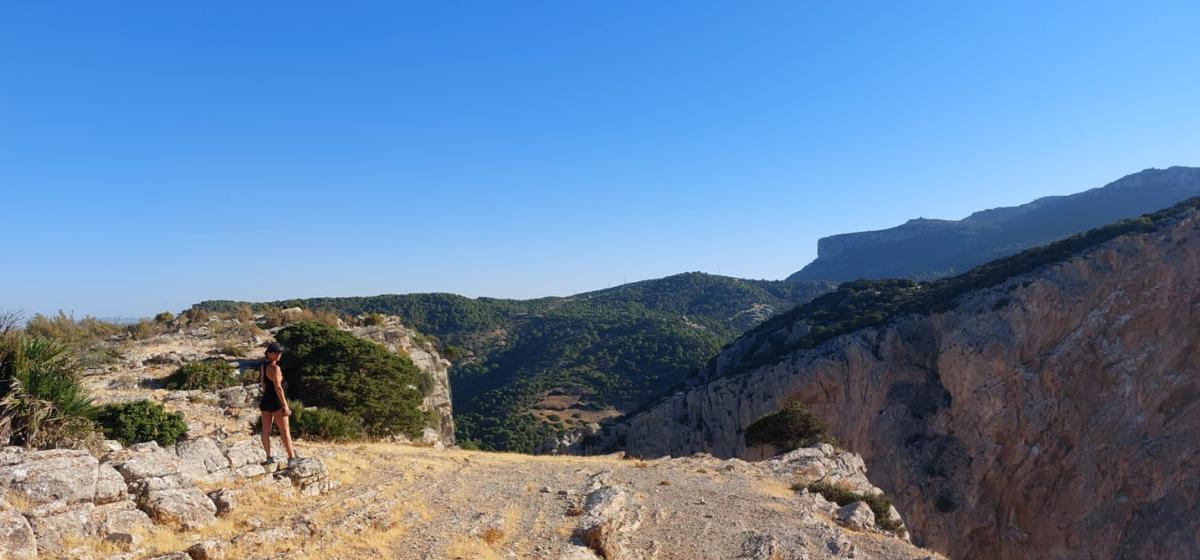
(333, 369)
(164, 317)
(373, 320)
(42, 402)
(788, 429)
(881, 505)
(206, 376)
(141, 421)
(320, 424)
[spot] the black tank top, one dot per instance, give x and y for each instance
(270, 400)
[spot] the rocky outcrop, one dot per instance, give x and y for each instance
(405, 341)
(16, 536)
(924, 248)
(1052, 416)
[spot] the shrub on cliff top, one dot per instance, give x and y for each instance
(329, 368)
(141, 421)
(788, 429)
(880, 504)
(205, 376)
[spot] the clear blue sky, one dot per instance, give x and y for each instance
(154, 154)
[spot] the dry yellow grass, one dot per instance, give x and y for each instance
(773, 488)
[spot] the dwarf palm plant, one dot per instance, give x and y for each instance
(42, 403)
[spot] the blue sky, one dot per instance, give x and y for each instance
(156, 154)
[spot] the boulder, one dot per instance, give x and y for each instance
(199, 457)
(119, 517)
(227, 499)
(17, 539)
(51, 475)
(188, 507)
(110, 485)
(53, 521)
(208, 550)
(857, 516)
(245, 452)
(309, 475)
(144, 460)
(126, 541)
(603, 508)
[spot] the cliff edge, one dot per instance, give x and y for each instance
(1053, 415)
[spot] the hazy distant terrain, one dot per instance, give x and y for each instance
(926, 249)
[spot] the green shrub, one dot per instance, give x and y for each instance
(333, 369)
(42, 403)
(142, 330)
(320, 424)
(373, 320)
(206, 376)
(841, 495)
(233, 350)
(141, 421)
(788, 429)
(164, 317)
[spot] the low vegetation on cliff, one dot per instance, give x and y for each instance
(788, 429)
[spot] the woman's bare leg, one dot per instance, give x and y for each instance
(266, 431)
(285, 433)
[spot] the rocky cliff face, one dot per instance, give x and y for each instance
(398, 338)
(1053, 416)
(925, 248)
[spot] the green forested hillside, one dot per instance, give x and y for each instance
(531, 368)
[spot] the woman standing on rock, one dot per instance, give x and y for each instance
(274, 405)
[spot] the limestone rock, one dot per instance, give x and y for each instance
(208, 550)
(200, 456)
(127, 541)
(75, 522)
(144, 460)
(226, 499)
(47, 476)
(17, 539)
(1050, 416)
(246, 452)
(119, 517)
(110, 485)
(575, 552)
(172, 556)
(857, 516)
(309, 475)
(188, 507)
(603, 508)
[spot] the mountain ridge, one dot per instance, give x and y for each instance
(930, 248)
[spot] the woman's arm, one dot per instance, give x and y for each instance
(276, 377)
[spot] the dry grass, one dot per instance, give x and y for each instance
(492, 535)
(468, 548)
(19, 501)
(774, 489)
